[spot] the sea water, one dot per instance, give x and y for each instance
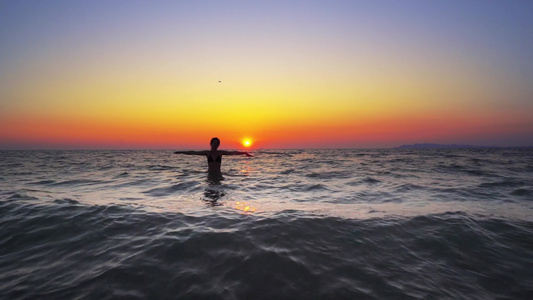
(285, 224)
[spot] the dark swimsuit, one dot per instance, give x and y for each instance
(210, 159)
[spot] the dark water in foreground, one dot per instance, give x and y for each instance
(354, 224)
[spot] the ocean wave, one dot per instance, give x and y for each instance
(505, 183)
(169, 190)
(161, 168)
(122, 175)
(287, 171)
(66, 201)
(367, 180)
(329, 175)
(43, 182)
(17, 196)
(407, 187)
(112, 251)
(79, 182)
(521, 192)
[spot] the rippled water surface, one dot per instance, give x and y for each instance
(357, 224)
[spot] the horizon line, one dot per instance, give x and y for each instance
(255, 149)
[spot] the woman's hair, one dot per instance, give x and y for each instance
(214, 139)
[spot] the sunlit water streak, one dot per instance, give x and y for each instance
(287, 223)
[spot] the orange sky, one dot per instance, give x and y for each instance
(120, 76)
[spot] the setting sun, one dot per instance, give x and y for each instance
(246, 142)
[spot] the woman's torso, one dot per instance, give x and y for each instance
(214, 161)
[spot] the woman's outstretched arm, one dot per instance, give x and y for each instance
(192, 152)
(235, 153)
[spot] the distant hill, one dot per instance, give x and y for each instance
(439, 146)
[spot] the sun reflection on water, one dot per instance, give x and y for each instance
(245, 208)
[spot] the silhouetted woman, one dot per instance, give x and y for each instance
(214, 156)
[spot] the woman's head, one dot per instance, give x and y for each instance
(215, 142)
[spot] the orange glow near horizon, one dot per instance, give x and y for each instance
(395, 130)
